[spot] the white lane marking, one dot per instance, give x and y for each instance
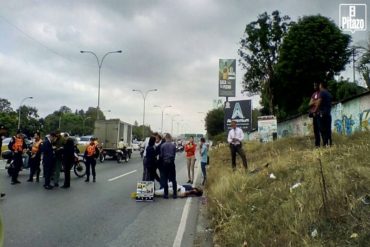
(184, 217)
(120, 176)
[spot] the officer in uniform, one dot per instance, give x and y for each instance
(35, 158)
(91, 153)
(17, 145)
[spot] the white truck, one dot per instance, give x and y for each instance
(115, 137)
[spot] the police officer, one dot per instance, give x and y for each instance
(35, 158)
(90, 155)
(17, 145)
(48, 159)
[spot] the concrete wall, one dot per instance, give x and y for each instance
(347, 117)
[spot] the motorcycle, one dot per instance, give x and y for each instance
(102, 153)
(122, 155)
(79, 166)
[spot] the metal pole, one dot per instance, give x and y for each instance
(162, 122)
(144, 97)
(100, 63)
(19, 116)
(353, 65)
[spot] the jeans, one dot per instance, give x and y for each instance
(203, 166)
(90, 162)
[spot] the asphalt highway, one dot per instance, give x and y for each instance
(95, 214)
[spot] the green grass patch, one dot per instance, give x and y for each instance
(325, 208)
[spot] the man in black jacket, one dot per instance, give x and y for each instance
(48, 159)
(68, 159)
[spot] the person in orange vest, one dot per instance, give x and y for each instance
(91, 154)
(190, 158)
(35, 159)
(17, 145)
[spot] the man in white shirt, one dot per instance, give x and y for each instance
(235, 139)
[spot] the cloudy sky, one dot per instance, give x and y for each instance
(170, 45)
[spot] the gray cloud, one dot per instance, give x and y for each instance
(173, 46)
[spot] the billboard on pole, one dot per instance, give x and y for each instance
(241, 112)
(226, 75)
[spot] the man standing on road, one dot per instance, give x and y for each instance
(59, 144)
(324, 106)
(168, 169)
(314, 113)
(235, 138)
(68, 159)
(17, 145)
(35, 158)
(91, 153)
(3, 133)
(48, 159)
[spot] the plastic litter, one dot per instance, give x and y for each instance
(296, 185)
(272, 176)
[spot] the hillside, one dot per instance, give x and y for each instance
(294, 201)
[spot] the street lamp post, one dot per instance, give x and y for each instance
(83, 124)
(19, 117)
(144, 98)
(162, 109)
(172, 119)
(100, 63)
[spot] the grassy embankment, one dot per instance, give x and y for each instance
(326, 208)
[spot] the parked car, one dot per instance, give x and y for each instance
(84, 140)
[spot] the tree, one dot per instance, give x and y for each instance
(5, 106)
(137, 132)
(314, 49)
(259, 54)
(214, 122)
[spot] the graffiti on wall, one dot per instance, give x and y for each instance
(365, 120)
(348, 117)
(345, 125)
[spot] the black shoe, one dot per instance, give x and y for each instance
(48, 187)
(30, 180)
(165, 196)
(2, 195)
(15, 182)
(174, 196)
(87, 180)
(94, 180)
(65, 187)
(204, 181)
(56, 185)
(189, 181)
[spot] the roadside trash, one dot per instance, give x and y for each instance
(296, 185)
(272, 176)
(314, 233)
(354, 235)
(366, 200)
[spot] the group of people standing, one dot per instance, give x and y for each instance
(56, 151)
(161, 153)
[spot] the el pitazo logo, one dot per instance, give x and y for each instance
(353, 17)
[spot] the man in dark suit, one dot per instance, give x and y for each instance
(68, 159)
(48, 159)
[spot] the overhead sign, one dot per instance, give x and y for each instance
(241, 112)
(226, 75)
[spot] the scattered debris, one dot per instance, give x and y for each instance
(296, 185)
(272, 176)
(354, 235)
(314, 233)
